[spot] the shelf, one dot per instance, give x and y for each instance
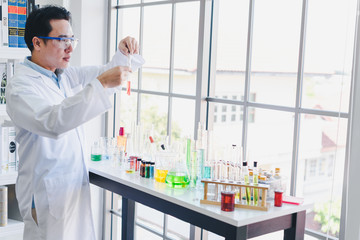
(2, 108)
(14, 53)
(12, 230)
(8, 178)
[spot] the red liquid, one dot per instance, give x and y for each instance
(227, 201)
(278, 199)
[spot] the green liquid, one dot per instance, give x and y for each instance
(248, 193)
(95, 157)
(256, 191)
(176, 180)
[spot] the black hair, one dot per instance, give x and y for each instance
(38, 22)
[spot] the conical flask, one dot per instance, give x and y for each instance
(178, 176)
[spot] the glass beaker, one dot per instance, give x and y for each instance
(96, 151)
(164, 162)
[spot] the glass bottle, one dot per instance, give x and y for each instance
(142, 168)
(122, 139)
(152, 169)
(256, 182)
(245, 173)
(147, 169)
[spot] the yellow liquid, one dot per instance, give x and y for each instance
(160, 175)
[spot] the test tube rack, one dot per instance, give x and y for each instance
(263, 188)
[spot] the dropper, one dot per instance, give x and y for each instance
(128, 86)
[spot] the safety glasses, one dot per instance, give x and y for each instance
(63, 42)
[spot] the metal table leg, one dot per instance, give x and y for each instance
(128, 219)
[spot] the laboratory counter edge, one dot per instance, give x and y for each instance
(185, 204)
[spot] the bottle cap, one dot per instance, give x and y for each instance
(255, 163)
(277, 170)
(244, 164)
(121, 131)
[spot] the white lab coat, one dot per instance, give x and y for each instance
(51, 148)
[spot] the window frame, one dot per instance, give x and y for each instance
(206, 72)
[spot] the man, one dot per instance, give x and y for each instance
(48, 102)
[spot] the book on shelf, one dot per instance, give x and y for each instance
(3, 149)
(0, 23)
(5, 24)
(13, 20)
(13, 23)
(3, 78)
(8, 146)
(21, 5)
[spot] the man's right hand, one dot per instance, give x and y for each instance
(114, 76)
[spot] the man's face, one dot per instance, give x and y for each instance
(52, 55)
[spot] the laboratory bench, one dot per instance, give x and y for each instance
(185, 205)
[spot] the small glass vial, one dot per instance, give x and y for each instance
(278, 198)
(147, 169)
(130, 166)
(142, 168)
(152, 169)
(138, 163)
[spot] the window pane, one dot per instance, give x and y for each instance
(125, 111)
(146, 1)
(125, 2)
(149, 217)
(186, 46)
(321, 167)
(226, 131)
(275, 52)
(270, 142)
(183, 117)
(154, 113)
(231, 46)
(328, 54)
(141, 234)
(178, 229)
(156, 47)
(129, 25)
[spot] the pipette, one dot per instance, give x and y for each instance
(128, 89)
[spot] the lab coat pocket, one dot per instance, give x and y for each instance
(63, 192)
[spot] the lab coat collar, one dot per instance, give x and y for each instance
(27, 71)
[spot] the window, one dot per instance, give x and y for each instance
(278, 85)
